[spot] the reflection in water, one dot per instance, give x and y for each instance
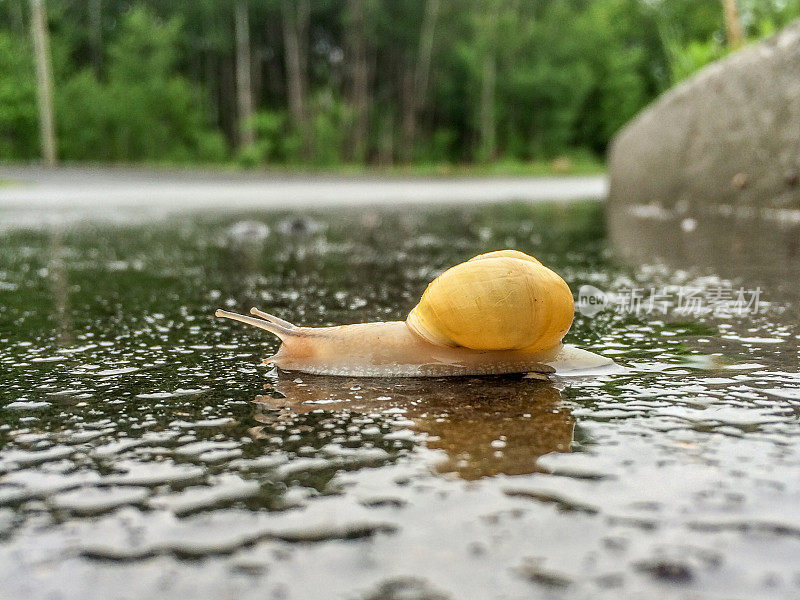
(759, 246)
(485, 426)
(59, 284)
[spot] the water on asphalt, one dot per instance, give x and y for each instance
(145, 453)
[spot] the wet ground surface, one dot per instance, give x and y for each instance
(144, 453)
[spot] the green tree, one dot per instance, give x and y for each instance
(377, 81)
(143, 109)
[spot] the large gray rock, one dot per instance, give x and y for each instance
(722, 147)
(731, 133)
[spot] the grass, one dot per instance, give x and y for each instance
(578, 163)
(562, 166)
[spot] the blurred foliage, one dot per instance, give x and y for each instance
(142, 109)
(18, 116)
(503, 81)
(690, 49)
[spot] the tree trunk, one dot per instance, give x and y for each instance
(44, 82)
(295, 33)
(419, 86)
(210, 66)
(425, 54)
(244, 93)
(257, 74)
(408, 120)
(227, 98)
(386, 142)
(360, 99)
(487, 35)
(487, 118)
(96, 33)
(16, 14)
(733, 30)
(211, 86)
(275, 84)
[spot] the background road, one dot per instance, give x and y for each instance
(76, 187)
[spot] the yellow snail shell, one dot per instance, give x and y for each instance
(501, 312)
(504, 300)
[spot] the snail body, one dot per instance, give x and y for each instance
(498, 313)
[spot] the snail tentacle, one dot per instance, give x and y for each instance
(272, 318)
(282, 332)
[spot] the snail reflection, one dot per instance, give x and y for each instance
(485, 426)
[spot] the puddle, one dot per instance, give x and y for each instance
(142, 442)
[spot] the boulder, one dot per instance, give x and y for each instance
(721, 148)
(730, 134)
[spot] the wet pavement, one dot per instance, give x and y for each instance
(145, 453)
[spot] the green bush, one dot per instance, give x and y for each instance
(19, 118)
(274, 142)
(144, 110)
(331, 122)
(692, 57)
(278, 141)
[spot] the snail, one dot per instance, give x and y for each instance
(497, 313)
